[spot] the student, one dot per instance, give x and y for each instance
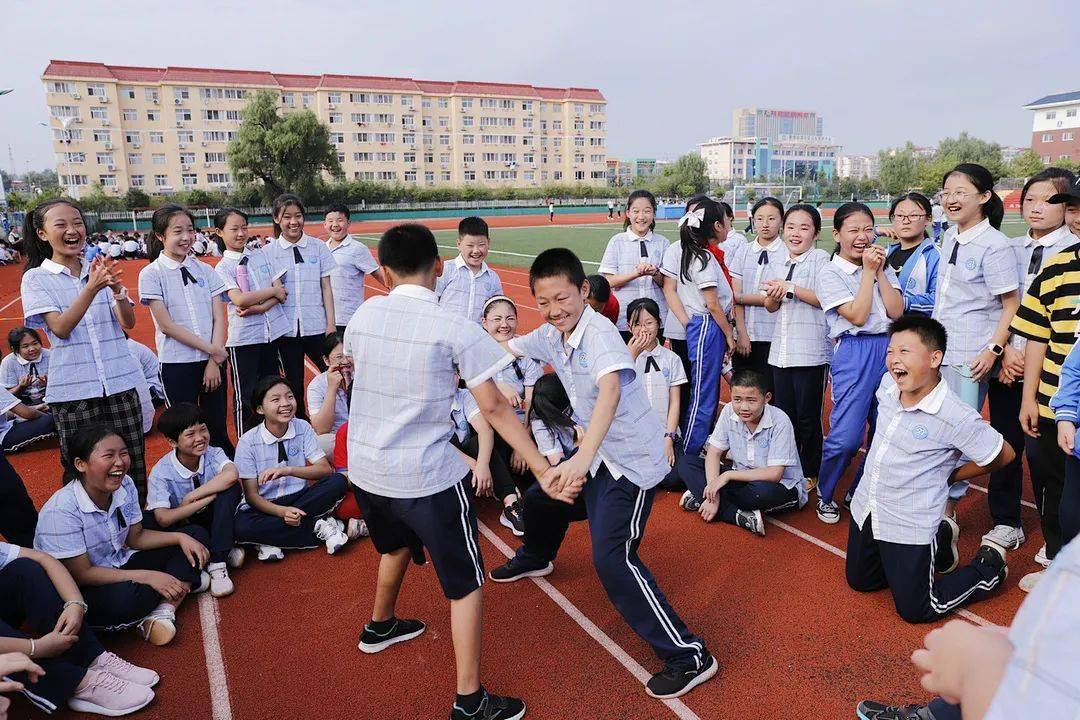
(352, 261)
(602, 300)
(185, 299)
(407, 479)
(700, 299)
(147, 381)
(25, 372)
(328, 393)
(661, 371)
(131, 248)
(1066, 407)
(755, 326)
(860, 294)
(256, 317)
(289, 487)
(347, 511)
(467, 282)
(752, 464)
(631, 261)
(20, 424)
(749, 215)
(914, 257)
(37, 593)
(197, 483)
(674, 333)
(553, 428)
(598, 374)
(551, 211)
(937, 214)
(800, 350)
(309, 302)
(735, 240)
(84, 308)
(610, 210)
(129, 575)
(924, 435)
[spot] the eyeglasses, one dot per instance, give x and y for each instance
(909, 218)
(958, 195)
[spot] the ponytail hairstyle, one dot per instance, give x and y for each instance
(696, 229)
(637, 195)
(919, 199)
(993, 209)
(281, 202)
(550, 403)
(38, 250)
(815, 215)
(159, 224)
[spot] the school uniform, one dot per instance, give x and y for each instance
(28, 599)
(305, 262)
(750, 267)
(855, 372)
(619, 493)
(551, 439)
(170, 482)
(147, 381)
(705, 341)
(92, 379)
(352, 261)
(896, 510)
(317, 390)
(463, 292)
(257, 450)
(188, 290)
(407, 348)
(463, 411)
(14, 366)
(940, 223)
(70, 525)
(624, 252)
(16, 435)
(770, 444)
(1066, 407)
(733, 246)
(917, 276)
(252, 340)
(660, 370)
(799, 356)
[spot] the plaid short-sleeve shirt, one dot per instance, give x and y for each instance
(70, 525)
(13, 367)
(771, 443)
(463, 293)
(838, 283)
(750, 267)
(551, 440)
(305, 262)
(188, 290)
(624, 252)
(258, 449)
(660, 370)
(8, 554)
(801, 336)
(170, 481)
(520, 374)
(701, 277)
(352, 261)
(251, 329)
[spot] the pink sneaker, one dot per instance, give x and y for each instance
(121, 668)
(103, 694)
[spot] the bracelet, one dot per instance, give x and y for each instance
(33, 647)
(80, 603)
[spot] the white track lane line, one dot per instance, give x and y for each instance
(602, 639)
(220, 705)
(982, 489)
(12, 302)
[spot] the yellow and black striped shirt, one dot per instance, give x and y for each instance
(1050, 313)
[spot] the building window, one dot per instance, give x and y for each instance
(95, 90)
(189, 179)
(99, 113)
(185, 136)
(157, 159)
(429, 177)
(105, 158)
(183, 115)
(334, 118)
(1066, 136)
(406, 101)
(445, 176)
(214, 157)
(1048, 137)
(130, 115)
(470, 175)
(60, 87)
(1070, 113)
(187, 158)
(153, 115)
(74, 180)
(151, 95)
(308, 99)
(466, 103)
(211, 114)
(382, 99)
(443, 103)
(1051, 114)
(288, 99)
(217, 178)
(138, 180)
(161, 181)
(108, 181)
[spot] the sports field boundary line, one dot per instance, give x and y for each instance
(16, 299)
(681, 710)
(220, 704)
(986, 491)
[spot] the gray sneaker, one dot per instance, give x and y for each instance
(1005, 536)
(751, 520)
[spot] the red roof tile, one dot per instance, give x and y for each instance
(304, 82)
(136, 74)
(365, 82)
(212, 76)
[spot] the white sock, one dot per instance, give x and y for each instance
(215, 566)
(164, 610)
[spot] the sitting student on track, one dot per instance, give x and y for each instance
(25, 372)
(130, 576)
(289, 487)
(924, 431)
(347, 511)
(328, 394)
(37, 593)
(466, 282)
(596, 369)
(197, 483)
(20, 424)
(752, 464)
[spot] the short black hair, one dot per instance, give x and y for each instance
(472, 226)
(16, 335)
(930, 331)
(331, 341)
(408, 249)
(555, 262)
(265, 385)
(338, 207)
(751, 378)
(599, 288)
(640, 305)
(178, 418)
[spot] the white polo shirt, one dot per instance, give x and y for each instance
(624, 252)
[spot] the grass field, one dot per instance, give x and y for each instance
(517, 246)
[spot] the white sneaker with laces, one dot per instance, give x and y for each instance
(220, 582)
(332, 532)
(236, 557)
(688, 502)
(115, 665)
(103, 693)
(159, 627)
(1005, 536)
(1029, 581)
(356, 529)
(267, 553)
(1040, 557)
(828, 512)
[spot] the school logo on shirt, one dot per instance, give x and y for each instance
(969, 263)
(582, 359)
(313, 259)
(200, 282)
(666, 373)
(919, 432)
(265, 269)
(911, 283)
(763, 443)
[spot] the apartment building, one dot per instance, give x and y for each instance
(167, 129)
(1055, 127)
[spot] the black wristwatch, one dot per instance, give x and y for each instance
(996, 349)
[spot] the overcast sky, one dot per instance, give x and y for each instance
(880, 71)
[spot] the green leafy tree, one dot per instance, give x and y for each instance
(1024, 165)
(135, 198)
(96, 200)
(899, 169)
(967, 149)
(1067, 164)
(287, 152)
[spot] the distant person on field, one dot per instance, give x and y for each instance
(467, 282)
(610, 209)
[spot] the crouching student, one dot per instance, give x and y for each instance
(553, 428)
(129, 576)
(752, 464)
(289, 487)
(328, 394)
(197, 483)
(924, 431)
(38, 594)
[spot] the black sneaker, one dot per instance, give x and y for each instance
(401, 630)
(673, 682)
(947, 557)
(517, 569)
(511, 517)
(492, 707)
(990, 560)
(870, 710)
(750, 520)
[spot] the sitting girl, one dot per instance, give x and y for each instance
(129, 576)
(550, 419)
(25, 371)
(20, 424)
(327, 394)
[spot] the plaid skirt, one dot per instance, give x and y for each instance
(122, 412)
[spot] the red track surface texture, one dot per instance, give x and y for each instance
(791, 638)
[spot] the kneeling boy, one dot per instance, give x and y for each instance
(923, 432)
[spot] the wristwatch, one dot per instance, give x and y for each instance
(790, 294)
(996, 349)
(672, 435)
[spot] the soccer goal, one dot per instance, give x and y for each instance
(752, 192)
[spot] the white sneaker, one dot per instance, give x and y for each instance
(688, 502)
(204, 583)
(1040, 557)
(751, 520)
(332, 532)
(236, 557)
(356, 529)
(220, 582)
(1029, 581)
(103, 693)
(121, 668)
(828, 512)
(268, 553)
(1005, 536)
(158, 628)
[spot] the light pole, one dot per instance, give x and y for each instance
(3, 193)
(65, 122)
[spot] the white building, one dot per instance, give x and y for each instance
(860, 167)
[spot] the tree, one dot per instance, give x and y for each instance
(135, 199)
(98, 201)
(285, 153)
(899, 169)
(968, 149)
(684, 177)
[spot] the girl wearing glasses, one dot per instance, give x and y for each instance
(914, 256)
